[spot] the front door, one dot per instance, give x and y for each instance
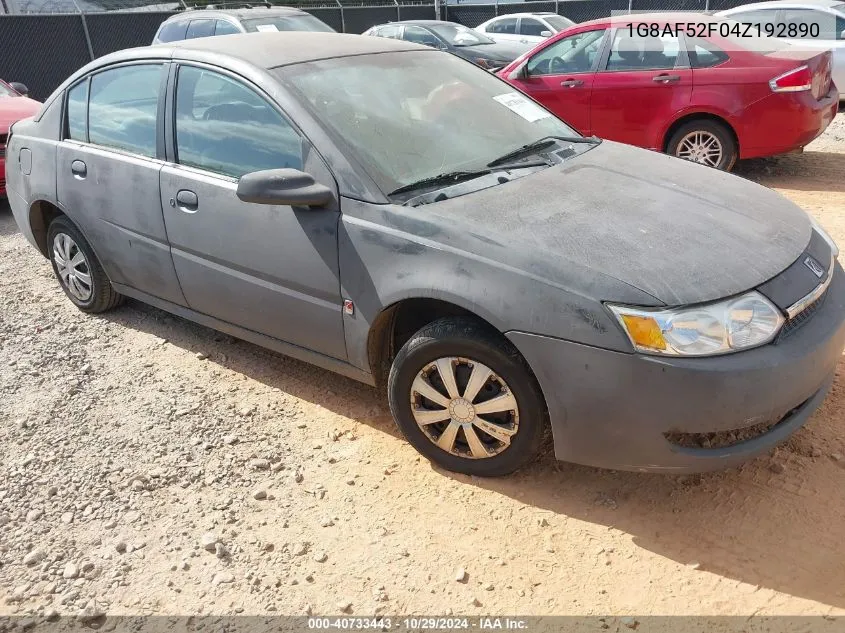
(108, 176)
(644, 84)
(560, 76)
(269, 269)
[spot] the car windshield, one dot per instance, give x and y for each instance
(5, 91)
(458, 35)
(407, 116)
(558, 22)
(287, 23)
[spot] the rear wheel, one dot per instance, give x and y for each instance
(77, 268)
(706, 142)
(465, 398)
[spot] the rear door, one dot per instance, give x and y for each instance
(560, 76)
(107, 174)
(643, 84)
(271, 269)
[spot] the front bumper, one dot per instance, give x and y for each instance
(612, 410)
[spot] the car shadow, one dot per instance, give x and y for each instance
(809, 171)
(748, 524)
(7, 220)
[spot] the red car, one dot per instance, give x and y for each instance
(14, 106)
(691, 85)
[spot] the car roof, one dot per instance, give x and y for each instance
(257, 12)
(526, 14)
(672, 17)
(825, 4)
(271, 50)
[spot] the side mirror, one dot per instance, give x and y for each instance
(20, 88)
(520, 72)
(288, 187)
(842, 35)
(545, 33)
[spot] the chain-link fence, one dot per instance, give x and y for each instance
(44, 41)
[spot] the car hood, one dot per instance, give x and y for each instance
(14, 109)
(681, 232)
(498, 51)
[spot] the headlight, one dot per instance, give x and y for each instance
(727, 326)
(833, 247)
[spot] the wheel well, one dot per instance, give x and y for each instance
(697, 116)
(41, 213)
(397, 323)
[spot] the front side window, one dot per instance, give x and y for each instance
(299, 22)
(415, 114)
(173, 31)
(419, 35)
(505, 25)
(200, 28)
(224, 127)
(642, 53)
(529, 26)
(574, 54)
(122, 108)
(77, 111)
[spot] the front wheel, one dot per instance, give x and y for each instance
(705, 142)
(465, 398)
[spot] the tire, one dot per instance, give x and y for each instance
(464, 346)
(710, 128)
(86, 285)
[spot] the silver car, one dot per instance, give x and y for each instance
(395, 214)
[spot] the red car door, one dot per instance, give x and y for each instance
(643, 84)
(560, 76)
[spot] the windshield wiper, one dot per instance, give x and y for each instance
(454, 177)
(542, 143)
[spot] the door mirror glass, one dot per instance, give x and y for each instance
(545, 33)
(288, 187)
(20, 88)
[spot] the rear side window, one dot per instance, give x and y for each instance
(642, 53)
(507, 25)
(173, 31)
(704, 54)
(392, 32)
(224, 127)
(122, 108)
(200, 28)
(77, 111)
(224, 27)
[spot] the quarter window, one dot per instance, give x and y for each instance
(574, 54)
(122, 108)
(704, 54)
(77, 111)
(224, 127)
(200, 28)
(224, 27)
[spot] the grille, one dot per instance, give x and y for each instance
(795, 323)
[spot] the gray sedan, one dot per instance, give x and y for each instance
(398, 215)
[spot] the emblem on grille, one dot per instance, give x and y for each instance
(814, 266)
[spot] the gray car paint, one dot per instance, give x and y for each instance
(535, 257)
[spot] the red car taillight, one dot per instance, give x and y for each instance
(795, 80)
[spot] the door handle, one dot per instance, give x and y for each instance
(665, 79)
(187, 200)
(571, 83)
(79, 169)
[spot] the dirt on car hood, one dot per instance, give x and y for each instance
(681, 232)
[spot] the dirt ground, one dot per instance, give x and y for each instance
(133, 446)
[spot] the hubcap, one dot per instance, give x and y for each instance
(464, 408)
(74, 272)
(700, 147)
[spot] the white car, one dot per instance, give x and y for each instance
(812, 24)
(524, 28)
